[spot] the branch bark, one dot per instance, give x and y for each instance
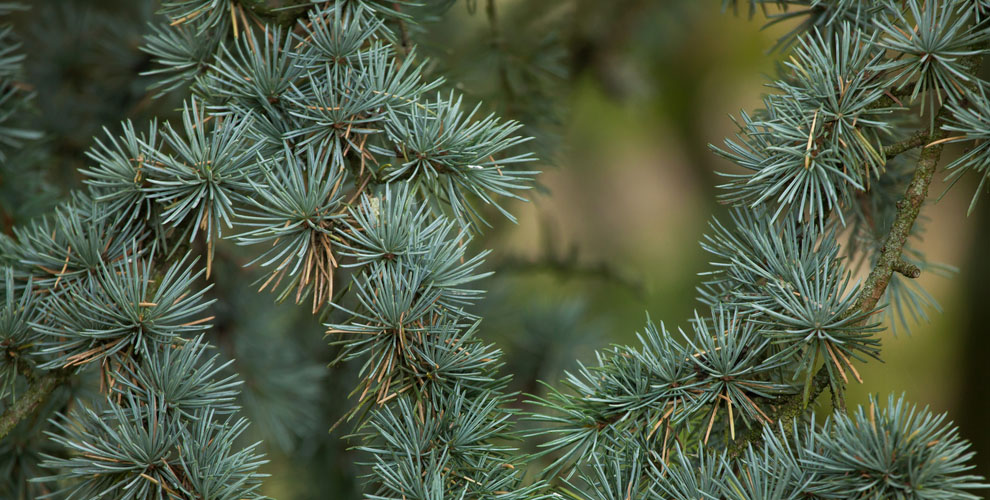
(908, 209)
(37, 393)
(915, 140)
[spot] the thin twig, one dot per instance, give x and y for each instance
(916, 140)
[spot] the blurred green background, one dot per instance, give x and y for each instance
(624, 97)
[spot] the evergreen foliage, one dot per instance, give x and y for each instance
(316, 136)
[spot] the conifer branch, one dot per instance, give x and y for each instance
(321, 144)
(889, 260)
(909, 207)
(792, 407)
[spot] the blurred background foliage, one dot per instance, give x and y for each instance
(623, 97)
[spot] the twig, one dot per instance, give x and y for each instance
(284, 16)
(917, 139)
(567, 266)
(404, 42)
(498, 44)
(37, 393)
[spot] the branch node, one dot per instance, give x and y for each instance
(910, 270)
